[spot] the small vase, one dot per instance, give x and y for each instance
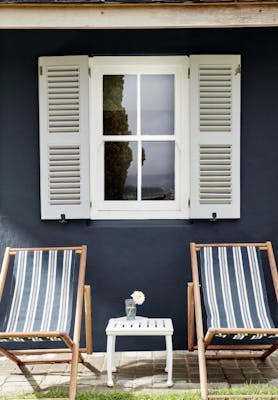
(130, 309)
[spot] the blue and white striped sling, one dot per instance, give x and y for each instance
(233, 288)
(41, 294)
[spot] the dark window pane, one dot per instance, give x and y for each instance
(157, 104)
(120, 171)
(119, 104)
(158, 171)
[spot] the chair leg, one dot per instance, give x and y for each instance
(203, 369)
(190, 308)
(73, 373)
(270, 350)
(10, 356)
(88, 318)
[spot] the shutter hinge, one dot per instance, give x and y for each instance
(188, 202)
(41, 71)
(90, 204)
(188, 73)
(89, 72)
(238, 69)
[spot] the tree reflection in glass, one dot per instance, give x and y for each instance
(119, 104)
(119, 118)
(120, 171)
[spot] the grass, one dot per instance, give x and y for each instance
(251, 390)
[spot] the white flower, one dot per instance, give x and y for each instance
(138, 297)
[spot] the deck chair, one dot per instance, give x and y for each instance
(228, 279)
(41, 301)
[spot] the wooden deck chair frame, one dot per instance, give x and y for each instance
(195, 312)
(83, 291)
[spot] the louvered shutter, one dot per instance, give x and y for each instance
(64, 137)
(215, 136)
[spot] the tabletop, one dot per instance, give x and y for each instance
(140, 326)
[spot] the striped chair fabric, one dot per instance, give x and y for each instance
(40, 297)
(233, 288)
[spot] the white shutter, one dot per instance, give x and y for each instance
(215, 136)
(64, 137)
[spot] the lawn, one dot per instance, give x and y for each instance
(251, 390)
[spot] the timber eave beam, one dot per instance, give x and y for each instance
(138, 16)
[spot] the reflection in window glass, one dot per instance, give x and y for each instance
(158, 171)
(157, 104)
(120, 171)
(119, 104)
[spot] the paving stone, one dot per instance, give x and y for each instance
(139, 372)
(50, 380)
(123, 383)
(146, 355)
(11, 390)
(273, 382)
(236, 382)
(143, 382)
(130, 355)
(184, 385)
(218, 385)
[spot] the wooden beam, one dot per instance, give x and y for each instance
(88, 318)
(44, 351)
(138, 16)
(233, 356)
(243, 331)
(191, 315)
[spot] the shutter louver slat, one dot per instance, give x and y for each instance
(64, 137)
(63, 91)
(215, 136)
(64, 159)
(215, 86)
(215, 175)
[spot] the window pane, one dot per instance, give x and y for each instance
(119, 104)
(120, 171)
(158, 171)
(157, 104)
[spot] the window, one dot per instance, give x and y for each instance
(140, 137)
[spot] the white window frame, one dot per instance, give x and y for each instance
(140, 209)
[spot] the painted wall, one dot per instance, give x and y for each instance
(152, 256)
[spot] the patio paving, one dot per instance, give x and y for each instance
(137, 371)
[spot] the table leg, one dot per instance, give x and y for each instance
(169, 359)
(114, 369)
(109, 360)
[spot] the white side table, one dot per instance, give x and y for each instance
(139, 327)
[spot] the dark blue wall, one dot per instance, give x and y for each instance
(152, 256)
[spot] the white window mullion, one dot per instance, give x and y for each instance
(158, 138)
(119, 138)
(139, 144)
(139, 176)
(134, 138)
